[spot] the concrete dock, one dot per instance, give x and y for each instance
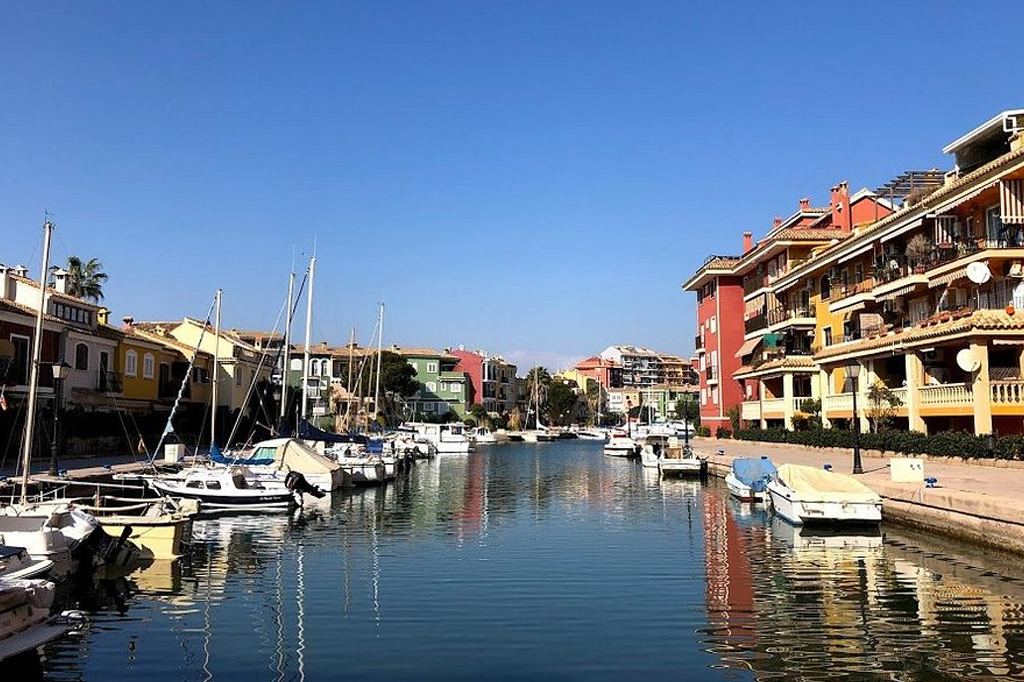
(975, 500)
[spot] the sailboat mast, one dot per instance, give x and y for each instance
(37, 349)
(216, 370)
(348, 389)
(309, 330)
(380, 339)
(287, 345)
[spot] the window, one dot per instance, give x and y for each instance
(432, 367)
(993, 226)
(18, 371)
(444, 386)
(82, 356)
(455, 388)
(714, 324)
(238, 376)
(200, 375)
(714, 395)
(827, 336)
(415, 365)
(826, 287)
(431, 386)
(148, 364)
(131, 364)
(213, 485)
(314, 368)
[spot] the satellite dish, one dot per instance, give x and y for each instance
(967, 360)
(978, 273)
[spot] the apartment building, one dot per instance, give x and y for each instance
(922, 301)
(491, 379)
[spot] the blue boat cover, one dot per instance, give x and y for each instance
(218, 457)
(753, 471)
(309, 432)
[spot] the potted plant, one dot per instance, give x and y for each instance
(919, 252)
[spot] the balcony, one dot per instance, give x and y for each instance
(841, 402)
(945, 395)
(782, 316)
(712, 378)
(1007, 392)
(750, 411)
(753, 283)
(755, 323)
(698, 343)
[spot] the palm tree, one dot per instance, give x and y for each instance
(85, 280)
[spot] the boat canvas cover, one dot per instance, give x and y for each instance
(753, 472)
(819, 485)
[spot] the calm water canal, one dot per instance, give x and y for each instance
(546, 562)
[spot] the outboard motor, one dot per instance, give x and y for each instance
(297, 483)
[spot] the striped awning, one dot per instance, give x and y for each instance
(748, 347)
(896, 293)
(949, 277)
(1011, 201)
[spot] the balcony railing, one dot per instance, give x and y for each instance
(755, 323)
(773, 406)
(945, 394)
(841, 402)
(1007, 392)
(780, 314)
(750, 410)
(711, 373)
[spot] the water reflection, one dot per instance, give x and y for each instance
(546, 562)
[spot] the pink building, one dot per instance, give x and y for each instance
(492, 380)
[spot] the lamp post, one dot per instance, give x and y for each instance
(686, 419)
(61, 370)
(853, 371)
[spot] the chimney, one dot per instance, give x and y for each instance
(127, 323)
(777, 222)
(805, 204)
(60, 281)
(748, 241)
(20, 271)
(103, 316)
(4, 279)
(842, 217)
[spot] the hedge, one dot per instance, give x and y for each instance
(944, 443)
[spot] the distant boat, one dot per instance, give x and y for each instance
(807, 495)
(447, 438)
(621, 444)
(223, 487)
(674, 457)
(749, 477)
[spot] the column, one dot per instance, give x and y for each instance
(862, 384)
(824, 390)
(760, 402)
(915, 379)
(982, 393)
(788, 393)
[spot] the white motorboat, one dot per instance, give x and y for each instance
(592, 434)
(807, 495)
(290, 454)
(362, 467)
(748, 478)
(59, 533)
(449, 439)
(483, 436)
(25, 621)
(678, 459)
(621, 444)
(222, 487)
(17, 564)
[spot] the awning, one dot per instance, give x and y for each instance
(1008, 342)
(854, 306)
(748, 347)
(867, 247)
(917, 222)
(949, 277)
(964, 198)
(896, 293)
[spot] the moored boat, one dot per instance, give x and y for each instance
(680, 459)
(621, 444)
(808, 495)
(25, 621)
(17, 564)
(221, 487)
(748, 478)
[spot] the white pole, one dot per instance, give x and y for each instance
(216, 370)
(380, 338)
(309, 330)
(33, 383)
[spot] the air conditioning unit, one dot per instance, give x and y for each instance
(1016, 269)
(931, 355)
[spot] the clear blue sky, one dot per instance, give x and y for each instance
(533, 178)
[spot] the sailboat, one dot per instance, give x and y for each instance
(540, 433)
(54, 532)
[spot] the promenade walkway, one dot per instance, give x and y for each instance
(979, 501)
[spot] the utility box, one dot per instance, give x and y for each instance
(906, 470)
(174, 452)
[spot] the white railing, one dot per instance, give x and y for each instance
(777, 405)
(841, 402)
(946, 394)
(1007, 392)
(901, 395)
(750, 411)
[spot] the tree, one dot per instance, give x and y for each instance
(688, 410)
(882, 404)
(85, 280)
(539, 376)
(561, 403)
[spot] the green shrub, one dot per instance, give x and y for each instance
(722, 432)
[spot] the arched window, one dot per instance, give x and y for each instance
(826, 287)
(81, 356)
(131, 364)
(325, 368)
(148, 365)
(314, 368)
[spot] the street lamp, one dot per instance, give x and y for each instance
(61, 370)
(853, 371)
